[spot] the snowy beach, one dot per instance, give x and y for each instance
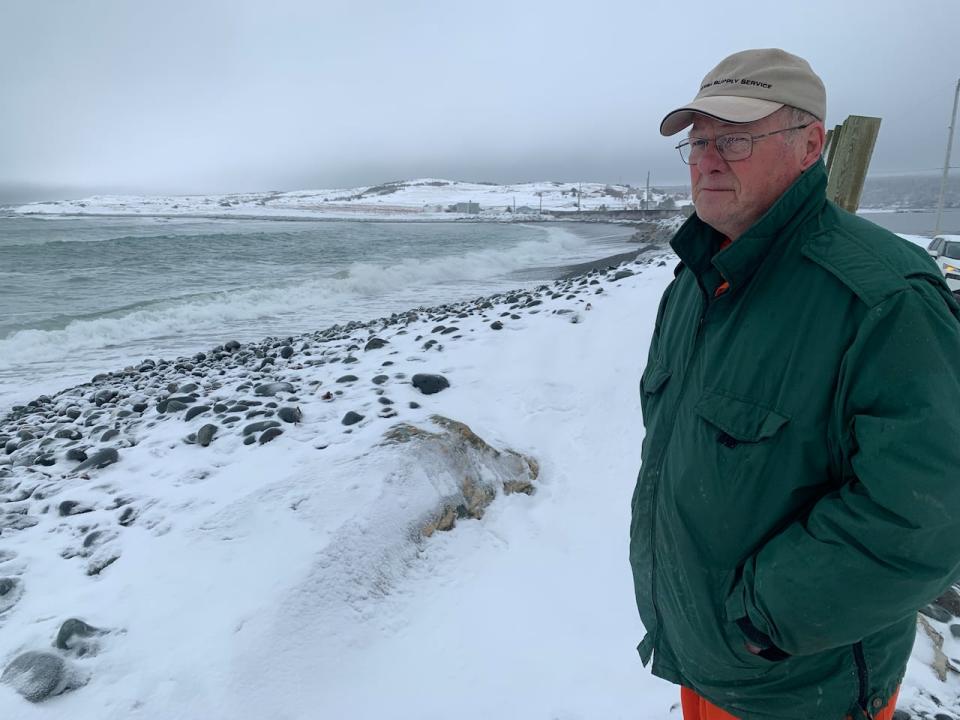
(302, 526)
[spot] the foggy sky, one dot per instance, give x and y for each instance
(188, 97)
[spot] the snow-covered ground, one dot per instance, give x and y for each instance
(293, 579)
(421, 199)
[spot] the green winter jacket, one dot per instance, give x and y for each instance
(801, 465)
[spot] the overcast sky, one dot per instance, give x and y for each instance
(239, 95)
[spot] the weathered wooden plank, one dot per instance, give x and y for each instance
(851, 159)
(831, 146)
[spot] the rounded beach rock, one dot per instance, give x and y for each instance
(429, 384)
(290, 414)
(100, 459)
(74, 635)
(37, 675)
(206, 433)
(351, 418)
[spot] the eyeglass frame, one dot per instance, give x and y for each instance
(753, 139)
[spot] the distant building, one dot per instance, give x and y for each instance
(471, 208)
(526, 209)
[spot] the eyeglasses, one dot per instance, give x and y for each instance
(731, 146)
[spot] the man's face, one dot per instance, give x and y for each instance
(732, 196)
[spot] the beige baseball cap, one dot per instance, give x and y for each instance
(750, 85)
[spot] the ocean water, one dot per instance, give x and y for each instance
(916, 222)
(80, 296)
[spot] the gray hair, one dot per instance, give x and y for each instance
(798, 116)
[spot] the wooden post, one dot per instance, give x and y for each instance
(831, 145)
(848, 163)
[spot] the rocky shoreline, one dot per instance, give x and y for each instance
(100, 417)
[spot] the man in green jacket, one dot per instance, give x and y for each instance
(799, 497)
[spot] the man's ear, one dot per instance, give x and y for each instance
(812, 144)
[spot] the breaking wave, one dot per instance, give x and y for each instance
(360, 290)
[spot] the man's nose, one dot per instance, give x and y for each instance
(711, 160)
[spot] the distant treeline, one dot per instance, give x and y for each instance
(909, 191)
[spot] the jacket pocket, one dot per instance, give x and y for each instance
(739, 421)
(654, 377)
(652, 382)
(740, 448)
(735, 608)
(742, 657)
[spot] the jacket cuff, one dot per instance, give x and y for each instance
(759, 643)
(736, 612)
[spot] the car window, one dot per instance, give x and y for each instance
(936, 245)
(952, 250)
(933, 244)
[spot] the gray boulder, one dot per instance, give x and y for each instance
(269, 435)
(72, 507)
(11, 590)
(206, 433)
(290, 414)
(196, 410)
(39, 675)
(260, 426)
(100, 459)
(270, 389)
(76, 454)
(430, 384)
(16, 521)
(949, 601)
(78, 637)
(935, 612)
(351, 418)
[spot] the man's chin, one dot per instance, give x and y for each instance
(710, 211)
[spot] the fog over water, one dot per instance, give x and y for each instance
(180, 97)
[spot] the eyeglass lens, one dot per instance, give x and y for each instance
(735, 146)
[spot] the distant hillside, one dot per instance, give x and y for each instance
(913, 192)
(438, 199)
(420, 199)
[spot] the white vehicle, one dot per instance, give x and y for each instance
(945, 250)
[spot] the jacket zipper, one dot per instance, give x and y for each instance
(656, 484)
(863, 678)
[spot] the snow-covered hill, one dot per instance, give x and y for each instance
(422, 199)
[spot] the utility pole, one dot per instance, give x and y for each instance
(646, 197)
(946, 162)
(579, 195)
(541, 201)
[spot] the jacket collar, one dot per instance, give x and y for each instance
(698, 244)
